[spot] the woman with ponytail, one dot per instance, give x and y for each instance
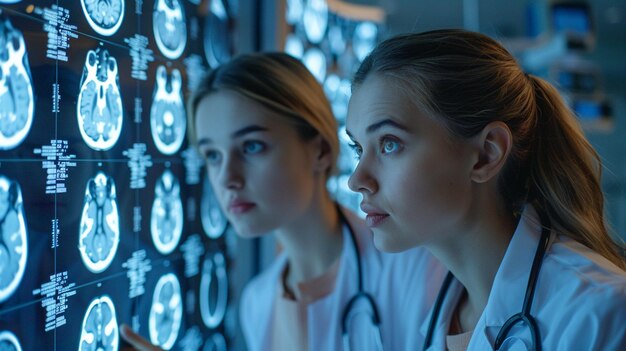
(463, 153)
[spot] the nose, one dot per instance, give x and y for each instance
(361, 180)
(230, 174)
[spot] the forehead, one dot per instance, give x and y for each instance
(376, 98)
(226, 110)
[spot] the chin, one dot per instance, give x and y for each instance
(249, 230)
(386, 242)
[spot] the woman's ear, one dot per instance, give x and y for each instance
(322, 155)
(494, 145)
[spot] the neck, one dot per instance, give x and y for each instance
(312, 242)
(474, 254)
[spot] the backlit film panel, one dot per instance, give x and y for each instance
(105, 214)
(16, 90)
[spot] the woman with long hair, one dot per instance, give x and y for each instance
(270, 141)
(464, 154)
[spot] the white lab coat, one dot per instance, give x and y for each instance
(403, 285)
(579, 303)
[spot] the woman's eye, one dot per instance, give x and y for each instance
(389, 146)
(356, 148)
(253, 147)
(212, 157)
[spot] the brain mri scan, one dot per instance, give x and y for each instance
(315, 60)
(166, 220)
(104, 16)
(99, 107)
(106, 214)
(8, 342)
(364, 40)
(166, 312)
(315, 20)
(170, 29)
(16, 89)
(215, 343)
(217, 35)
(213, 290)
(100, 331)
(99, 224)
(167, 115)
(213, 220)
(13, 237)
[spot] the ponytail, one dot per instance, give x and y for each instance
(469, 80)
(565, 175)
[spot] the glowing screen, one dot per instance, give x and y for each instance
(105, 214)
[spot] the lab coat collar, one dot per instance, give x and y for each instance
(507, 293)
(509, 287)
(445, 316)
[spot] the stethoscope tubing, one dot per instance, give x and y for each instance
(524, 316)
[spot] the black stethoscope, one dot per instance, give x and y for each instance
(524, 316)
(360, 295)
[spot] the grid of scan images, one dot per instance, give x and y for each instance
(105, 213)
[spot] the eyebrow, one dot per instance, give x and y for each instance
(385, 122)
(376, 126)
(237, 134)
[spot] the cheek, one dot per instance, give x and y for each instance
(287, 188)
(432, 193)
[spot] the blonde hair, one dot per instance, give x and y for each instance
(280, 83)
(468, 80)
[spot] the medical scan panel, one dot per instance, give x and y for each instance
(213, 220)
(104, 16)
(13, 237)
(166, 312)
(169, 26)
(100, 330)
(99, 107)
(166, 220)
(16, 88)
(167, 115)
(99, 224)
(213, 301)
(8, 342)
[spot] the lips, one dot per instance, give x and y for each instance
(240, 206)
(375, 216)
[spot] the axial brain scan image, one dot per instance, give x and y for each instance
(8, 342)
(167, 115)
(13, 237)
(213, 220)
(16, 90)
(100, 330)
(104, 16)
(213, 301)
(170, 30)
(166, 220)
(99, 104)
(166, 312)
(99, 225)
